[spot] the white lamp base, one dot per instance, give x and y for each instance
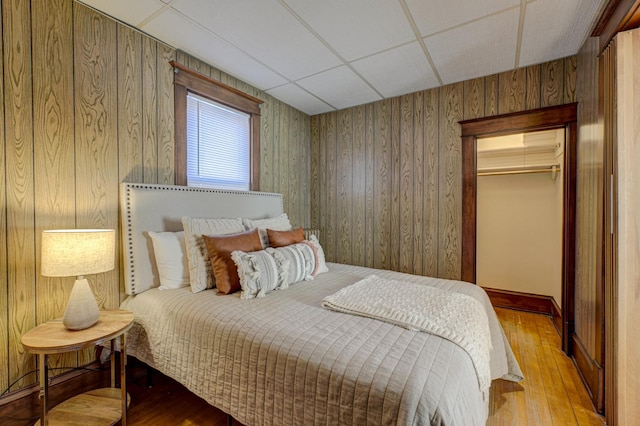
(82, 310)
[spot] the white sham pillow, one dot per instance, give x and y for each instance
(200, 271)
(278, 223)
(171, 259)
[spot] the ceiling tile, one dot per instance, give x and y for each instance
(434, 16)
(131, 12)
(340, 88)
(356, 28)
(195, 40)
(480, 48)
(398, 71)
(555, 29)
(266, 31)
(298, 98)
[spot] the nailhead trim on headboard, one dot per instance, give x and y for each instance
(164, 191)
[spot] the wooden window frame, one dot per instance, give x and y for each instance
(187, 81)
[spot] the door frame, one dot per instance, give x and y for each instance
(555, 117)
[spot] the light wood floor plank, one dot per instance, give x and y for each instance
(552, 392)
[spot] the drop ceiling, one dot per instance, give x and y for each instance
(325, 55)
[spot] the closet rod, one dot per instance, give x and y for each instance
(516, 171)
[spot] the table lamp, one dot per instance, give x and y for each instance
(78, 252)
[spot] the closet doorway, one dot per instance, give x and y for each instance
(519, 214)
(563, 117)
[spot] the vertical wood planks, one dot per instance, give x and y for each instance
(418, 168)
(552, 82)
(512, 90)
(533, 87)
(266, 145)
(491, 95)
(95, 132)
(315, 167)
(293, 164)
(129, 98)
(18, 96)
(322, 181)
(370, 195)
(570, 77)
(431, 178)
(474, 98)
(382, 184)
(283, 157)
(331, 187)
(344, 213)
(405, 193)
(450, 182)
(166, 128)
(412, 170)
(53, 124)
(359, 176)
(150, 110)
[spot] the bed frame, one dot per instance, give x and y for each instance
(151, 207)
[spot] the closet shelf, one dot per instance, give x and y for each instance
(522, 169)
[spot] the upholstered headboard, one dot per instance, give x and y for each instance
(150, 207)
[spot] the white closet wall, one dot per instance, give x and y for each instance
(519, 216)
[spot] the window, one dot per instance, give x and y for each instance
(218, 145)
(217, 133)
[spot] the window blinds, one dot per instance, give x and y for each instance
(218, 145)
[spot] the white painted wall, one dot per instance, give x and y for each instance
(519, 233)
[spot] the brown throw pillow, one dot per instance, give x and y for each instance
(220, 248)
(285, 238)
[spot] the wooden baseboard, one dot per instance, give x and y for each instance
(23, 407)
(590, 371)
(526, 302)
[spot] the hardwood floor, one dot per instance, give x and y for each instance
(551, 394)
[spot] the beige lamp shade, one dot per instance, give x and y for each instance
(77, 252)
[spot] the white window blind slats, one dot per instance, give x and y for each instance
(218, 145)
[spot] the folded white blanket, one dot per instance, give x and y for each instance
(418, 307)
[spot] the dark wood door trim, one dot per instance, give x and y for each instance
(562, 116)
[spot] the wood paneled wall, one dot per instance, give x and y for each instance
(88, 103)
(386, 176)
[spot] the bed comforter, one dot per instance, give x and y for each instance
(285, 360)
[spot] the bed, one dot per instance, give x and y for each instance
(284, 359)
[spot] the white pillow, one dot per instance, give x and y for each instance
(171, 259)
(322, 264)
(259, 273)
(278, 223)
(200, 271)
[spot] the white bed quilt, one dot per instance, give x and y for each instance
(285, 360)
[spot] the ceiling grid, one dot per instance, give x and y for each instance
(334, 54)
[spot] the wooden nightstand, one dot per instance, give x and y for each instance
(97, 407)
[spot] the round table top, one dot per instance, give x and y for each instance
(53, 337)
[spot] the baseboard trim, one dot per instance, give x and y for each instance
(526, 302)
(25, 403)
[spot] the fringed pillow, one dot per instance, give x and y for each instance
(296, 262)
(258, 273)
